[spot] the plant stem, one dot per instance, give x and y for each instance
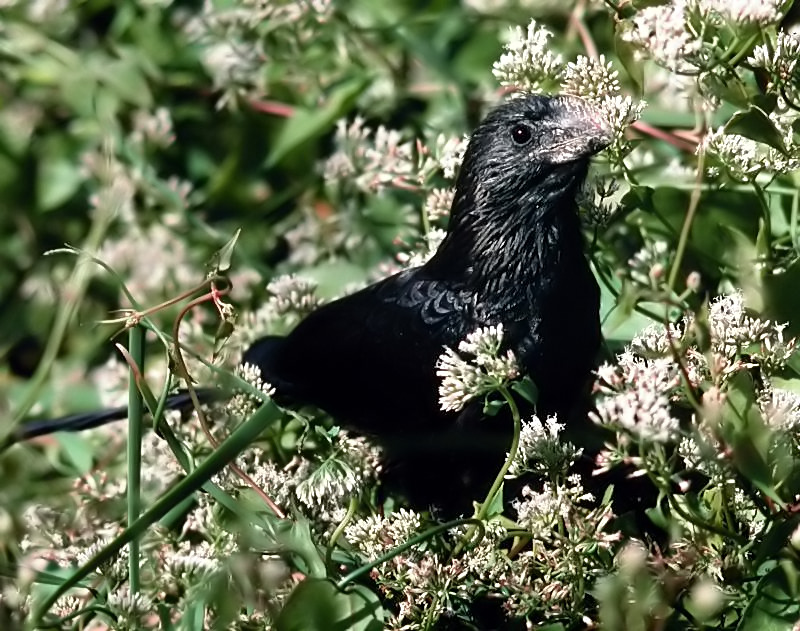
(351, 510)
(74, 290)
(135, 424)
(694, 202)
(498, 481)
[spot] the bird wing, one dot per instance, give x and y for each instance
(369, 358)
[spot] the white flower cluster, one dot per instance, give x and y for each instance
(371, 158)
(333, 479)
(760, 12)
(642, 406)
(701, 451)
(153, 127)
(649, 265)
(539, 511)
(242, 405)
(292, 294)
(662, 31)
(375, 535)
(153, 262)
(421, 255)
(745, 158)
(733, 330)
(449, 154)
(780, 61)
(291, 298)
(781, 410)
(192, 562)
(130, 606)
(640, 388)
(675, 34)
(597, 81)
(325, 488)
(233, 67)
(541, 449)
(527, 62)
(233, 35)
(438, 203)
(486, 371)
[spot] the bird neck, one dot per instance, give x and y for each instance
(497, 241)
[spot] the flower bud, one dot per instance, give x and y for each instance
(693, 281)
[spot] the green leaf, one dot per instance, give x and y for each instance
(125, 79)
(755, 124)
(75, 449)
(221, 260)
(633, 65)
(749, 437)
(57, 181)
(318, 605)
(333, 276)
(775, 538)
(295, 536)
(496, 503)
(492, 406)
(729, 88)
(225, 452)
(306, 124)
(776, 606)
(526, 389)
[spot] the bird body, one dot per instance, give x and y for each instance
(512, 255)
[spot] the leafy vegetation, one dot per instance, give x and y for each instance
(208, 173)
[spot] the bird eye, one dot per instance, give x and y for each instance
(521, 134)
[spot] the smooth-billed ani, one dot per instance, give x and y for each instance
(513, 254)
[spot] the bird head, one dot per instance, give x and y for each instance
(530, 141)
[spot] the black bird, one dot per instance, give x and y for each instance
(513, 255)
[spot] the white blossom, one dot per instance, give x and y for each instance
(450, 152)
(292, 294)
(540, 511)
(438, 203)
(762, 12)
(662, 31)
(428, 248)
(373, 159)
(781, 409)
(649, 265)
(130, 606)
(643, 412)
(541, 448)
(527, 61)
(484, 372)
(732, 330)
(375, 535)
(781, 63)
(598, 82)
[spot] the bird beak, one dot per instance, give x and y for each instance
(578, 130)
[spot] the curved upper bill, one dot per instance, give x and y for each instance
(580, 129)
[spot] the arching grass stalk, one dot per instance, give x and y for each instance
(135, 425)
(72, 296)
(498, 481)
